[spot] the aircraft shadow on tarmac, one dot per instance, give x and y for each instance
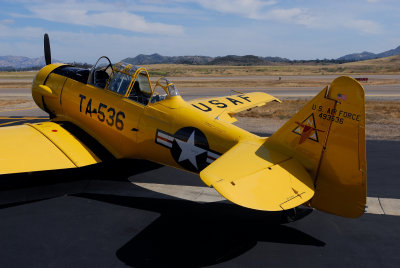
(190, 234)
(186, 234)
(22, 188)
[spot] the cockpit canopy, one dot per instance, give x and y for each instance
(130, 81)
(100, 72)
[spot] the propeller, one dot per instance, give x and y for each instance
(47, 52)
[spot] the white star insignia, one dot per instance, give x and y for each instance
(189, 150)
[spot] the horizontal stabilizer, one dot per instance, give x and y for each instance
(255, 176)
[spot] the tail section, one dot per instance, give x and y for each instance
(328, 138)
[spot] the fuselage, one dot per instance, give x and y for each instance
(171, 131)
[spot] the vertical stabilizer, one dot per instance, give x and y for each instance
(327, 137)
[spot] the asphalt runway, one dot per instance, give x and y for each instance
(109, 219)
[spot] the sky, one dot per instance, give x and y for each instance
(82, 31)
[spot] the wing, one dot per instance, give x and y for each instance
(224, 108)
(42, 146)
(255, 176)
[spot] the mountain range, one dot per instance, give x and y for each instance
(19, 62)
(203, 60)
(369, 55)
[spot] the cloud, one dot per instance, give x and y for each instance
(311, 16)
(277, 28)
(292, 15)
(365, 26)
(23, 33)
(246, 8)
(91, 13)
(260, 10)
(6, 22)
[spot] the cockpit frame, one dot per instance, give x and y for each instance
(130, 81)
(100, 73)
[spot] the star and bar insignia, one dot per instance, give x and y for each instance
(189, 148)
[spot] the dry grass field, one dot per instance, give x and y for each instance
(382, 117)
(15, 84)
(267, 83)
(18, 75)
(230, 83)
(12, 103)
(389, 65)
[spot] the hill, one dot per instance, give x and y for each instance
(18, 62)
(369, 55)
(158, 59)
(230, 60)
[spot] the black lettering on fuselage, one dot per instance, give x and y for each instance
(89, 107)
(82, 98)
(207, 109)
(234, 101)
(244, 97)
(218, 103)
(101, 116)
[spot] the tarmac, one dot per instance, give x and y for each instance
(134, 213)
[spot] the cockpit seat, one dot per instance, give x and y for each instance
(137, 95)
(100, 78)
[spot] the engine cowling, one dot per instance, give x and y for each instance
(46, 89)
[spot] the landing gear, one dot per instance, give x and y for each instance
(295, 214)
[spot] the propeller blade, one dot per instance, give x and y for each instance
(47, 52)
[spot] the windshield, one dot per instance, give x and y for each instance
(168, 86)
(162, 89)
(141, 90)
(143, 81)
(120, 83)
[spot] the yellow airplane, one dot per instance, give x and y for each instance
(317, 158)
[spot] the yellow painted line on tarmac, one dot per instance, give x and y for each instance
(9, 123)
(22, 117)
(17, 120)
